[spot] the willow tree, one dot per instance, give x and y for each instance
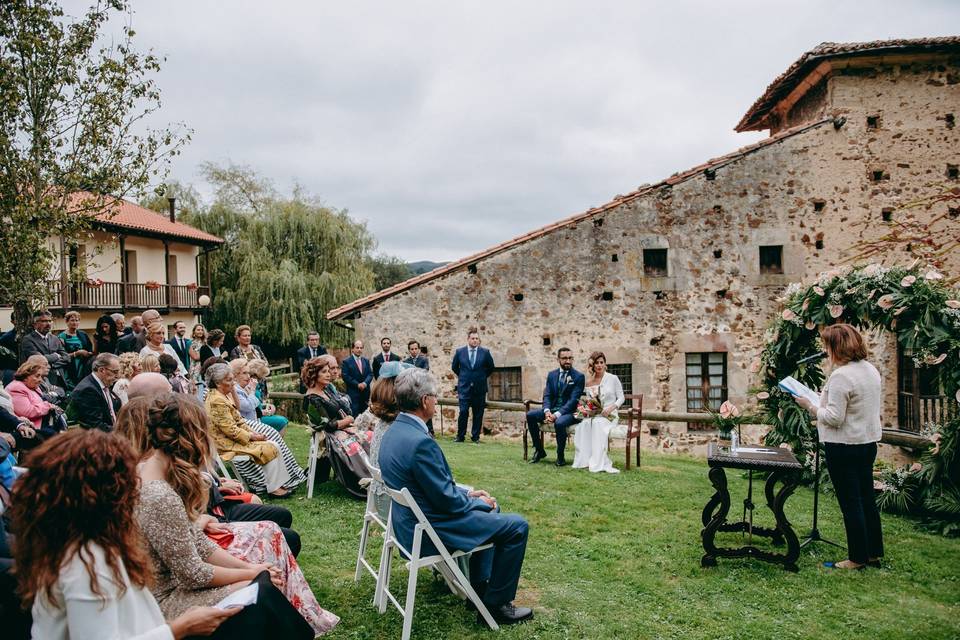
(287, 259)
(73, 136)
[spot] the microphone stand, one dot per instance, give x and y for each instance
(814, 535)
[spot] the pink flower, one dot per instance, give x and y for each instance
(899, 311)
(810, 325)
(755, 366)
(933, 275)
(819, 291)
(932, 360)
(763, 395)
(806, 303)
(836, 310)
(729, 410)
(915, 467)
(886, 301)
(953, 304)
(908, 280)
(788, 315)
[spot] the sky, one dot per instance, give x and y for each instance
(450, 126)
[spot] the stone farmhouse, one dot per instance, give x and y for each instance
(677, 281)
(133, 259)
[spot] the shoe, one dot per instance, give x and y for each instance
(561, 461)
(875, 563)
(538, 456)
(836, 565)
(475, 440)
(458, 439)
(508, 614)
(281, 496)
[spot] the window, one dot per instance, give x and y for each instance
(655, 263)
(625, 373)
(771, 259)
(505, 384)
(706, 383)
(920, 397)
(953, 171)
(886, 214)
(873, 122)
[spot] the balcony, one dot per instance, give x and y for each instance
(108, 296)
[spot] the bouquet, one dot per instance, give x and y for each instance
(588, 407)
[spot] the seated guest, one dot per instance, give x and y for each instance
(29, 403)
(329, 413)
(148, 385)
(212, 349)
(78, 344)
(156, 345)
(560, 397)
(25, 436)
(79, 555)
(170, 369)
(264, 470)
(251, 406)
(259, 372)
(463, 520)
(106, 335)
(383, 404)
(15, 619)
(129, 368)
(150, 364)
(191, 569)
(94, 404)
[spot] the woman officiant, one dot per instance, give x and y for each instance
(848, 423)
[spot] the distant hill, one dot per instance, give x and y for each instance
(423, 266)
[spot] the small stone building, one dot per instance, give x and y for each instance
(677, 281)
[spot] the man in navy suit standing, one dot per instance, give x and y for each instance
(473, 365)
(560, 396)
(463, 520)
(357, 375)
(180, 343)
(385, 355)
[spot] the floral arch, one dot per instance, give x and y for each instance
(923, 311)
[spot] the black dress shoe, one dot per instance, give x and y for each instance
(538, 456)
(508, 614)
(561, 462)
(458, 439)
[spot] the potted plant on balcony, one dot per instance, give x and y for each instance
(192, 286)
(95, 283)
(151, 285)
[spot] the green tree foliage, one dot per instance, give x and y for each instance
(388, 271)
(72, 136)
(287, 259)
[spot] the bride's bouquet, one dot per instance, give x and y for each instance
(588, 407)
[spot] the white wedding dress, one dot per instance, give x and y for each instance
(590, 439)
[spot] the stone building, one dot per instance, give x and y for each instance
(677, 281)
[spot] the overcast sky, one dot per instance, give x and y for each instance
(451, 126)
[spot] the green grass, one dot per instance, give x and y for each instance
(619, 557)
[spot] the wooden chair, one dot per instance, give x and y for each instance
(631, 411)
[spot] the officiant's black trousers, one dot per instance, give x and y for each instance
(851, 472)
(500, 566)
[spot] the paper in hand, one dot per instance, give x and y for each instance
(793, 386)
(240, 598)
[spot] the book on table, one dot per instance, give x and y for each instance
(794, 387)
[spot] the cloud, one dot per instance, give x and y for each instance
(450, 127)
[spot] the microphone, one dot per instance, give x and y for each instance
(813, 358)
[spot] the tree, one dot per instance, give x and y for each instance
(286, 260)
(73, 137)
(388, 271)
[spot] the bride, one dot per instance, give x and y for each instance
(590, 439)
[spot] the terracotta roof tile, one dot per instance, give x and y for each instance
(755, 118)
(677, 178)
(136, 218)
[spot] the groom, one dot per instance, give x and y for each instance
(560, 396)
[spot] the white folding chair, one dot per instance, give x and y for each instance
(315, 439)
(443, 561)
(222, 465)
(370, 517)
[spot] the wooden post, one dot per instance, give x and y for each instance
(123, 273)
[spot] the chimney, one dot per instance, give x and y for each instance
(173, 209)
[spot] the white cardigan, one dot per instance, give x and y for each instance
(75, 612)
(850, 404)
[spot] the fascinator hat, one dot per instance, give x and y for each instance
(393, 368)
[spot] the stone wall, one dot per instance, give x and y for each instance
(583, 285)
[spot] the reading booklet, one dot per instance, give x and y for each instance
(240, 597)
(797, 388)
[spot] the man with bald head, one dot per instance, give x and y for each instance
(148, 385)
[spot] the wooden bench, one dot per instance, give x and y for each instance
(629, 418)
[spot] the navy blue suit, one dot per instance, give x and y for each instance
(410, 458)
(558, 398)
(352, 377)
(182, 354)
(471, 388)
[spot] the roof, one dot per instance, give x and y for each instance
(756, 117)
(133, 217)
(711, 165)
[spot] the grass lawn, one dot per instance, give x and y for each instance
(619, 557)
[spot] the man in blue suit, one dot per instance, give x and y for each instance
(560, 396)
(181, 343)
(357, 375)
(463, 520)
(473, 365)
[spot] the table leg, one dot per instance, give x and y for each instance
(714, 516)
(784, 531)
